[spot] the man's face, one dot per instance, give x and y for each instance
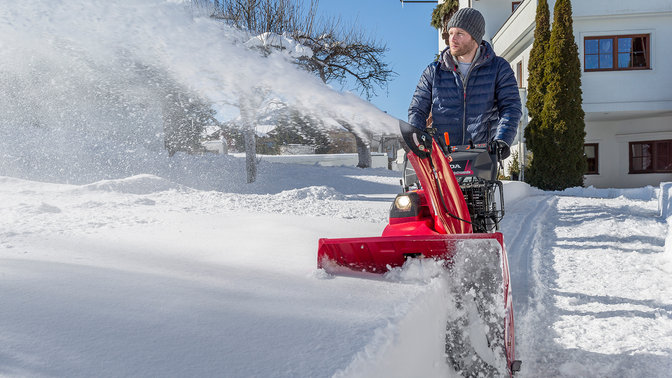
(461, 43)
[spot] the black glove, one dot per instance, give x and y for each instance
(500, 148)
(420, 142)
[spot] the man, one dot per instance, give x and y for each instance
(469, 92)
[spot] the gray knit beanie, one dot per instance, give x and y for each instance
(470, 20)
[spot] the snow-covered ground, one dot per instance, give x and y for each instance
(116, 260)
(143, 276)
(592, 283)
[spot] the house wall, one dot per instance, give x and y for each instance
(627, 106)
(602, 8)
(613, 138)
(515, 32)
(620, 106)
(634, 90)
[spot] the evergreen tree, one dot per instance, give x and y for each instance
(558, 161)
(184, 117)
(514, 166)
(443, 12)
(535, 68)
(297, 128)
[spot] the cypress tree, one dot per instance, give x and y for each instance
(535, 67)
(558, 161)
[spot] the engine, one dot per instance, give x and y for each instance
(476, 172)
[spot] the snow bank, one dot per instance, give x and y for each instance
(516, 190)
(645, 194)
(665, 200)
(665, 207)
(139, 184)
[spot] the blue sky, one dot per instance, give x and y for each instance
(411, 41)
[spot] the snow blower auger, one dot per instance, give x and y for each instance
(448, 212)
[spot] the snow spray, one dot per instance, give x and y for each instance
(82, 84)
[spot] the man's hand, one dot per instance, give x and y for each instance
(421, 143)
(501, 148)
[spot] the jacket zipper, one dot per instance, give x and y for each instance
(464, 112)
(464, 101)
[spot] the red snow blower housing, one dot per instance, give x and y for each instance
(448, 211)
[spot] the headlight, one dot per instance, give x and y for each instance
(403, 203)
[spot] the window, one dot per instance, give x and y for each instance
(651, 157)
(590, 150)
(519, 73)
(613, 53)
(514, 5)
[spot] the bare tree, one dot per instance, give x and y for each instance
(340, 54)
(347, 55)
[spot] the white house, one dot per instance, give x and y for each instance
(626, 62)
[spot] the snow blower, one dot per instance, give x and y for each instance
(448, 211)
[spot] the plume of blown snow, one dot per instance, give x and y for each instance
(83, 83)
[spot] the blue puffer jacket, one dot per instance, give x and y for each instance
(486, 108)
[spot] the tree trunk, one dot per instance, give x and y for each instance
(250, 154)
(363, 152)
(247, 116)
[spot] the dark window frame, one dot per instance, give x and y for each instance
(660, 154)
(615, 52)
(596, 170)
(515, 5)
